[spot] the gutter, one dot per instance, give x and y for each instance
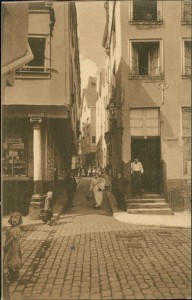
(18, 63)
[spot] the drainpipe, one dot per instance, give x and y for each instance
(18, 63)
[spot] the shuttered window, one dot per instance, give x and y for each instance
(135, 70)
(145, 58)
(187, 4)
(154, 60)
(186, 132)
(187, 57)
(144, 122)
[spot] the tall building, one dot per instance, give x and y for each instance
(41, 111)
(88, 122)
(148, 46)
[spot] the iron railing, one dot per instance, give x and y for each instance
(146, 71)
(146, 16)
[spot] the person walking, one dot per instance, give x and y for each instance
(97, 186)
(106, 177)
(118, 188)
(136, 172)
(93, 171)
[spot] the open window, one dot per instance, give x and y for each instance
(187, 57)
(146, 58)
(145, 11)
(39, 67)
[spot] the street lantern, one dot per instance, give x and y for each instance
(113, 114)
(111, 107)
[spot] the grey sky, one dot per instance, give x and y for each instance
(91, 22)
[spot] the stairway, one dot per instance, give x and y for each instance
(151, 204)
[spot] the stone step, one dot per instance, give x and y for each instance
(147, 205)
(145, 201)
(151, 211)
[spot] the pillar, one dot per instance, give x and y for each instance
(37, 199)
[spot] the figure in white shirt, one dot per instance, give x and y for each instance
(136, 171)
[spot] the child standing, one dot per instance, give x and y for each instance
(48, 207)
(12, 250)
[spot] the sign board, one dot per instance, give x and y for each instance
(13, 140)
(36, 115)
(17, 146)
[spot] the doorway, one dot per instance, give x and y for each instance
(148, 152)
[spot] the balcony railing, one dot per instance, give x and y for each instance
(34, 72)
(146, 71)
(147, 16)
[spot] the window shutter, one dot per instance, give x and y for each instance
(154, 60)
(134, 61)
(187, 10)
(187, 58)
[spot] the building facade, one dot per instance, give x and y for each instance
(149, 96)
(41, 111)
(102, 160)
(15, 48)
(88, 122)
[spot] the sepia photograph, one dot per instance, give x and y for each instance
(96, 149)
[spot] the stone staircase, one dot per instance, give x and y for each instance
(152, 204)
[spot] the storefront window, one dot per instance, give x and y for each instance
(14, 153)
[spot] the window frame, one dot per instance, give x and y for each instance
(183, 20)
(143, 22)
(186, 108)
(46, 70)
(184, 75)
(161, 60)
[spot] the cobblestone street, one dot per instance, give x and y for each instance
(90, 255)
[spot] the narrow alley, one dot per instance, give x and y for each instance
(90, 255)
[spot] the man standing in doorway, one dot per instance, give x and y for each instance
(136, 171)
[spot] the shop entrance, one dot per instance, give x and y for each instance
(148, 152)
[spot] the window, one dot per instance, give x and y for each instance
(145, 11)
(187, 58)
(186, 133)
(93, 139)
(14, 162)
(40, 65)
(186, 11)
(146, 58)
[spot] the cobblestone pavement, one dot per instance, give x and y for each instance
(94, 256)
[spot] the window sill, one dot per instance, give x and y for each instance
(146, 77)
(186, 76)
(186, 22)
(154, 22)
(33, 75)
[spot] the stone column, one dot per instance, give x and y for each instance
(37, 199)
